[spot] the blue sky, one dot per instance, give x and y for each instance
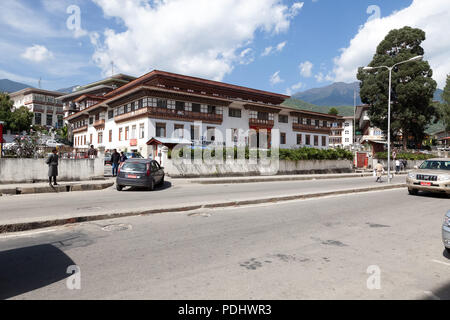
(256, 43)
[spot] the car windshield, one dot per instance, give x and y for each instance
(134, 167)
(435, 165)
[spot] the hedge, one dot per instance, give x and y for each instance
(291, 154)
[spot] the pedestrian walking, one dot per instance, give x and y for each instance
(379, 171)
(52, 162)
(405, 163)
(397, 166)
(92, 153)
(115, 160)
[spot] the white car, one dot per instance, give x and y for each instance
(53, 144)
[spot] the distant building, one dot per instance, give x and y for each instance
(47, 110)
(370, 135)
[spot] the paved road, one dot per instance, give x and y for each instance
(22, 208)
(310, 249)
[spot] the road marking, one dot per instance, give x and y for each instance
(441, 262)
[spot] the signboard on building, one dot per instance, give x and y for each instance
(133, 142)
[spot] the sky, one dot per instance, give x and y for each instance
(282, 46)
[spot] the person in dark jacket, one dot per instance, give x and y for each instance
(115, 159)
(123, 158)
(52, 162)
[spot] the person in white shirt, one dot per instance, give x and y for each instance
(397, 166)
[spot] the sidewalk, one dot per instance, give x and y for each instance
(43, 187)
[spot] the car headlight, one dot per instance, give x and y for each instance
(444, 177)
(411, 175)
(447, 221)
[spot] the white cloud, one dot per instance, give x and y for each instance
(306, 69)
(294, 88)
(278, 48)
(431, 16)
(246, 56)
(321, 77)
(196, 37)
(275, 78)
(37, 53)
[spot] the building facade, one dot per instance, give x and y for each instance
(47, 109)
(181, 109)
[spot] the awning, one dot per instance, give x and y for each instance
(446, 138)
(168, 141)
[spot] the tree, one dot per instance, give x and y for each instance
(333, 111)
(6, 106)
(21, 119)
(412, 86)
(445, 105)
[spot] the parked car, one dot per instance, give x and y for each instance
(446, 232)
(107, 158)
(433, 175)
(140, 173)
(53, 143)
(136, 155)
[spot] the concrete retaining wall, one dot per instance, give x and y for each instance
(410, 164)
(247, 169)
(34, 170)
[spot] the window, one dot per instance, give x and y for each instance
(49, 119)
(299, 139)
(263, 115)
(211, 133)
(120, 134)
(195, 133)
(347, 139)
(308, 139)
(91, 120)
(161, 130)
(308, 122)
(140, 103)
(161, 103)
(347, 132)
(132, 106)
(316, 140)
(347, 124)
(316, 123)
(324, 141)
(110, 114)
(282, 118)
(133, 132)
(325, 123)
(60, 121)
(141, 131)
(282, 138)
(179, 130)
(179, 106)
(235, 113)
(127, 131)
(38, 119)
(110, 135)
(212, 109)
(195, 107)
(100, 137)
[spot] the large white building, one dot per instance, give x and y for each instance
(162, 108)
(47, 110)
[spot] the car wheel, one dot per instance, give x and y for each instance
(151, 187)
(447, 250)
(161, 183)
(119, 187)
(413, 192)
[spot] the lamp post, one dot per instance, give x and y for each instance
(416, 58)
(1, 138)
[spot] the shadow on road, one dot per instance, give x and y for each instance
(30, 268)
(165, 186)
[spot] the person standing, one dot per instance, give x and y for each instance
(52, 162)
(92, 153)
(115, 159)
(397, 166)
(123, 158)
(379, 170)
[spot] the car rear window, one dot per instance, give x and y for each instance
(134, 167)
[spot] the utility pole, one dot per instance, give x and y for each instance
(112, 68)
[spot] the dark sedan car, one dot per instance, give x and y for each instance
(140, 173)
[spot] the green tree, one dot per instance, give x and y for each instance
(6, 106)
(333, 111)
(21, 119)
(412, 86)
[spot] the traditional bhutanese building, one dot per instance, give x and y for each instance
(162, 108)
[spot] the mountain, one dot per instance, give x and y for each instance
(338, 94)
(302, 105)
(67, 90)
(11, 86)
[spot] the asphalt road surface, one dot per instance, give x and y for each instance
(175, 192)
(311, 249)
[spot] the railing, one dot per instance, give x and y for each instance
(99, 123)
(163, 113)
(310, 128)
(80, 129)
(263, 122)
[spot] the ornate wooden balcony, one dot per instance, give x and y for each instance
(99, 124)
(261, 123)
(310, 128)
(80, 129)
(169, 114)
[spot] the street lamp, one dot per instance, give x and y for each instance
(416, 58)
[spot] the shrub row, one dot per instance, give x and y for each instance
(405, 156)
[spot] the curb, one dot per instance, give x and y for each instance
(293, 178)
(26, 226)
(56, 189)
